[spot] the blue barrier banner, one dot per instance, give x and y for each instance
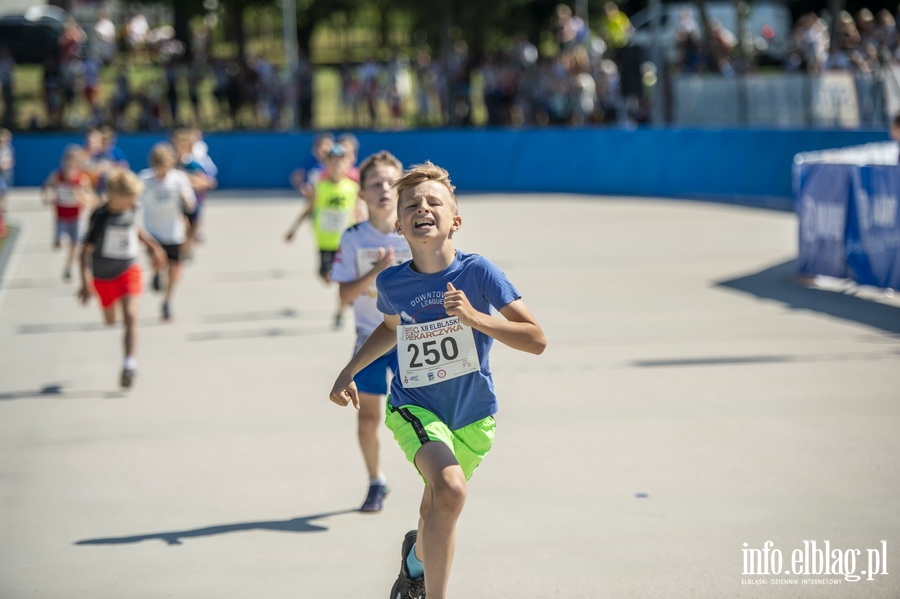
(824, 193)
(873, 228)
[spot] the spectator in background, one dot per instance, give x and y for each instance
(571, 29)
(105, 36)
(811, 43)
(7, 70)
(687, 39)
(844, 50)
(615, 28)
(136, 31)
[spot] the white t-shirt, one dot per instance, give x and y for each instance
(162, 205)
(356, 256)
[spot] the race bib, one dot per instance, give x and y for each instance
(65, 196)
(333, 221)
(366, 259)
(164, 196)
(120, 243)
(435, 351)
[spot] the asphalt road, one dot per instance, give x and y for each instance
(694, 403)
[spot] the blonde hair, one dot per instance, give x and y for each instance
(74, 153)
(382, 158)
(162, 154)
(420, 173)
(121, 182)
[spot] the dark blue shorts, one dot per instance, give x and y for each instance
(373, 378)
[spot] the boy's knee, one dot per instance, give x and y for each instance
(450, 490)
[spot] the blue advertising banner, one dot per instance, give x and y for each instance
(824, 194)
(873, 228)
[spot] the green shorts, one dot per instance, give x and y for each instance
(414, 426)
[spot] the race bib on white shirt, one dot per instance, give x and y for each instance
(120, 243)
(65, 196)
(333, 221)
(367, 257)
(161, 195)
(435, 351)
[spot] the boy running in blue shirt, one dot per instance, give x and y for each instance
(437, 312)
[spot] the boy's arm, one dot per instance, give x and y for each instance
(84, 260)
(48, 183)
(518, 329)
(159, 255)
(86, 196)
(351, 290)
(381, 341)
(303, 216)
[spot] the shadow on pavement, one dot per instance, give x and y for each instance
(250, 316)
(301, 524)
(260, 333)
(778, 283)
(57, 390)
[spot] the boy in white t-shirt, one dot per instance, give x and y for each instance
(367, 249)
(167, 196)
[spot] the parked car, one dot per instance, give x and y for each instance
(769, 23)
(33, 36)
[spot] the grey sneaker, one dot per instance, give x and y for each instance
(127, 378)
(407, 587)
(375, 498)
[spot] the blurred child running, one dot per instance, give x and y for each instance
(69, 190)
(332, 209)
(167, 196)
(7, 164)
(367, 249)
(109, 261)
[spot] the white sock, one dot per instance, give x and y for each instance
(130, 363)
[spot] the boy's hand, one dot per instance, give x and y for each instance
(457, 304)
(84, 295)
(385, 259)
(344, 391)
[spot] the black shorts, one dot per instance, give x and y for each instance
(172, 250)
(326, 261)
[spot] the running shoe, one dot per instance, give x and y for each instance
(157, 283)
(166, 313)
(127, 378)
(67, 274)
(375, 498)
(407, 587)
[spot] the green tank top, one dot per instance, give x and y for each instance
(333, 211)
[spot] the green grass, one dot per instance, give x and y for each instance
(328, 110)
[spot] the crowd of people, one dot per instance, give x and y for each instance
(586, 79)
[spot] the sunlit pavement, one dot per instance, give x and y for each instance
(694, 403)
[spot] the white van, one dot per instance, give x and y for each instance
(769, 22)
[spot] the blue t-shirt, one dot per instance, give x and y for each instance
(419, 298)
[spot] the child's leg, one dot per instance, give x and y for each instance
(174, 275)
(442, 503)
(70, 256)
(109, 315)
(129, 316)
(371, 408)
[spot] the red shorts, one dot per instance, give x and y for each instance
(129, 283)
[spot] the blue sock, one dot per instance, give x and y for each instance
(413, 565)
